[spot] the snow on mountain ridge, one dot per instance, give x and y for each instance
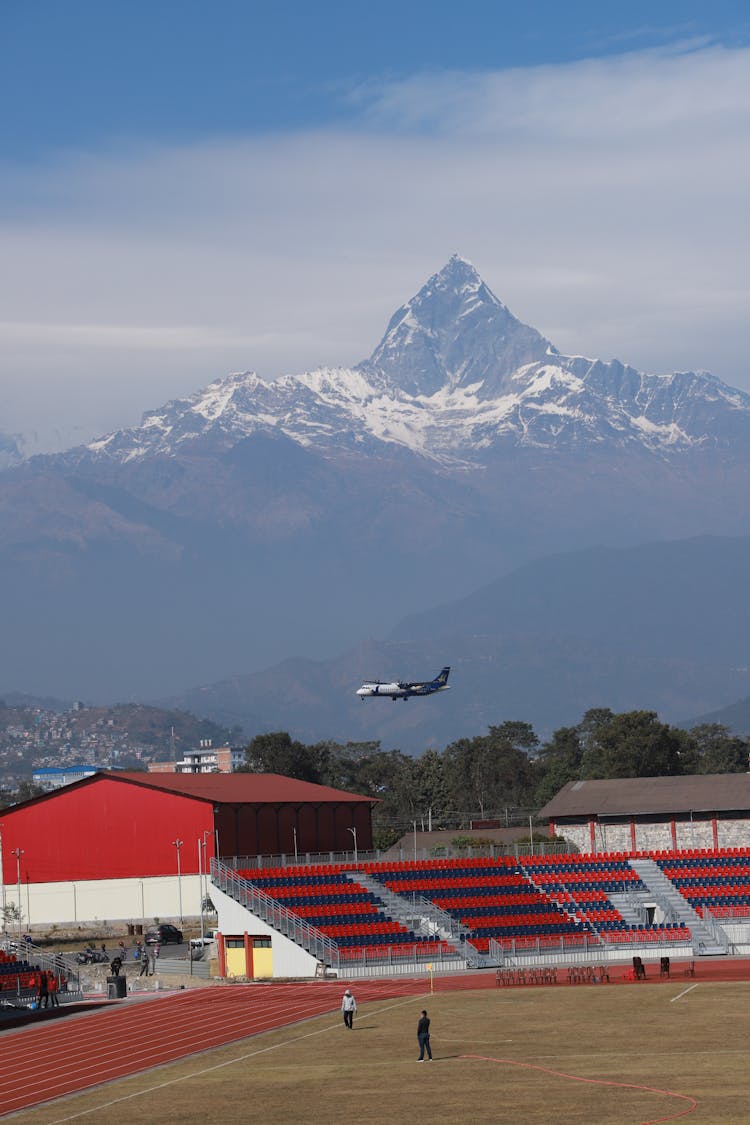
(455, 375)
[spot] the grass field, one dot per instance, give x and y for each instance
(588, 1048)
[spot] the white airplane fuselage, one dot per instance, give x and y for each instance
(394, 690)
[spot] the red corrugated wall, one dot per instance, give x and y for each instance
(104, 829)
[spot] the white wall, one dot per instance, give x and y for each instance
(106, 900)
(234, 919)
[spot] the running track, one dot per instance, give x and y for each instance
(79, 1049)
(76, 1051)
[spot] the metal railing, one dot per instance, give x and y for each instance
(398, 855)
(66, 975)
(582, 948)
(242, 890)
(410, 954)
(715, 930)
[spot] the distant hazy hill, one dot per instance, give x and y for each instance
(661, 627)
(683, 600)
(43, 703)
(256, 520)
(736, 716)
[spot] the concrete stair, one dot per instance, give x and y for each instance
(708, 940)
(423, 917)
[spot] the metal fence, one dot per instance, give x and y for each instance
(398, 855)
(571, 951)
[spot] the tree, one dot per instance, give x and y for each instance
(559, 762)
(521, 736)
(26, 792)
(717, 750)
(430, 784)
(487, 773)
(634, 744)
(277, 752)
(11, 915)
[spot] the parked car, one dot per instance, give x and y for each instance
(164, 935)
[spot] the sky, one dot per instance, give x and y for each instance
(189, 189)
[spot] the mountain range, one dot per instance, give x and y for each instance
(256, 520)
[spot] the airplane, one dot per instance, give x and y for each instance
(400, 690)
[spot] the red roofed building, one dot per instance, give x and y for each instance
(110, 846)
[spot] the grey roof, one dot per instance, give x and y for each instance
(699, 793)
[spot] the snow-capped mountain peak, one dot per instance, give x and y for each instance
(453, 333)
(455, 377)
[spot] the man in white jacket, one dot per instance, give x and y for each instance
(348, 1007)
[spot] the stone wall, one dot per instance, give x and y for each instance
(656, 835)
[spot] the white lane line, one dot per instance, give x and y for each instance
(683, 993)
(221, 1065)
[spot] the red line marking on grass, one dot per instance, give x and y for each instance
(601, 1082)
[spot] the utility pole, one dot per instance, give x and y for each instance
(18, 852)
(178, 844)
(200, 895)
(2, 875)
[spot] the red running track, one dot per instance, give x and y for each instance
(75, 1052)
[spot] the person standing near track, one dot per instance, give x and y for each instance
(348, 1007)
(423, 1037)
(42, 990)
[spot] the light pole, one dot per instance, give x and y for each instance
(204, 893)
(18, 852)
(415, 840)
(2, 875)
(178, 844)
(294, 834)
(200, 894)
(354, 834)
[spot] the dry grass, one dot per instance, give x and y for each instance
(316, 1071)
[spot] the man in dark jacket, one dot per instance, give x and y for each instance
(423, 1036)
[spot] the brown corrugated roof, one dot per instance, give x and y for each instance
(705, 793)
(239, 788)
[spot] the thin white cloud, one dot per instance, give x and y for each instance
(604, 201)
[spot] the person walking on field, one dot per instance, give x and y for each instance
(348, 1007)
(423, 1037)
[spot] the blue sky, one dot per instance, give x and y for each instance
(190, 188)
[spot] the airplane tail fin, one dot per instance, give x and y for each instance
(443, 677)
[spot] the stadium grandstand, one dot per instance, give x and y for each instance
(676, 885)
(459, 912)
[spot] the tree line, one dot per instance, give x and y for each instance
(507, 773)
